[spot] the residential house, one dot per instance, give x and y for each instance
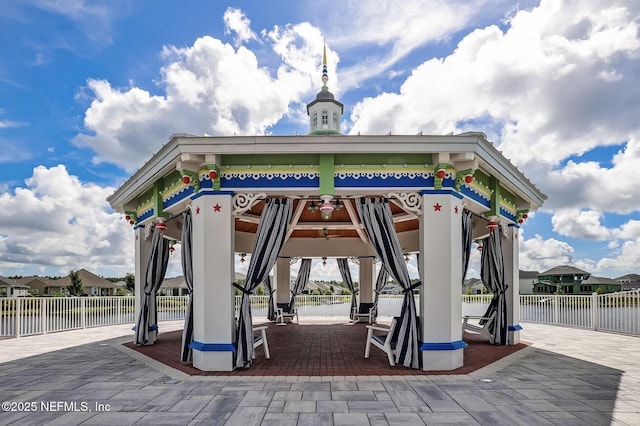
(567, 279)
(527, 281)
(11, 288)
(629, 282)
(599, 285)
(93, 285)
(473, 286)
(36, 285)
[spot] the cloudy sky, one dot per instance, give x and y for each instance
(89, 90)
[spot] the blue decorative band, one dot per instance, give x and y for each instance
(516, 327)
(441, 192)
(203, 193)
(212, 347)
(443, 346)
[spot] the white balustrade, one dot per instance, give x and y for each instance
(24, 316)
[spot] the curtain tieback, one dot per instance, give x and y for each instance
(242, 289)
(412, 287)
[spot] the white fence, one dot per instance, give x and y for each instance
(615, 312)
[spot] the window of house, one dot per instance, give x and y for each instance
(335, 120)
(314, 121)
(325, 117)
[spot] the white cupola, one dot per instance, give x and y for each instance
(325, 112)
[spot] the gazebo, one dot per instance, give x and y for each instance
(327, 194)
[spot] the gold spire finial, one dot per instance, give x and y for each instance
(325, 76)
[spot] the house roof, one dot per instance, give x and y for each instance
(600, 280)
(630, 277)
(89, 279)
(529, 274)
(8, 282)
(564, 270)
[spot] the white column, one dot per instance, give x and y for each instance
(510, 254)
(366, 279)
(283, 280)
(213, 275)
(441, 291)
(142, 253)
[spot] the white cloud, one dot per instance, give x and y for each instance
(538, 254)
(210, 88)
(583, 224)
(235, 21)
(626, 258)
(558, 82)
(56, 223)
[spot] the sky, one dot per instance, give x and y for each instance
(89, 90)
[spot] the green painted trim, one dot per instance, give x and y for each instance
(216, 181)
(460, 175)
(379, 159)
(437, 182)
(195, 179)
(158, 209)
(327, 170)
(270, 159)
(494, 208)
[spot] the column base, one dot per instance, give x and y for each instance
(442, 356)
(213, 357)
(513, 334)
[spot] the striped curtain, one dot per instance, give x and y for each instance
(492, 274)
(271, 310)
(187, 271)
(301, 282)
(378, 223)
(343, 266)
(270, 237)
(467, 239)
(381, 281)
(156, 268)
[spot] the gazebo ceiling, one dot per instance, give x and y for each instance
(308, 222)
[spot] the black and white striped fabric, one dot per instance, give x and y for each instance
(271, 310)
(381, 281)
(492, 274)
(378, 223)
(343, 266)
(301, 282)
(467, 239)
(270, 236)
(187, 271)
(156, 269)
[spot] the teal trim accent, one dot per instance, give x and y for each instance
(516, 327)
(212, 347)
(443, 346)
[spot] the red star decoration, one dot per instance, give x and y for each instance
(456, 209)
(198, 210)
(217, 208)
(437, 207)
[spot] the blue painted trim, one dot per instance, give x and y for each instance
(516, 327)
(203, 193)
(442, 192)
(212, 347)
(444, 346)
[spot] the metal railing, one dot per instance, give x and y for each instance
(24, 316)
